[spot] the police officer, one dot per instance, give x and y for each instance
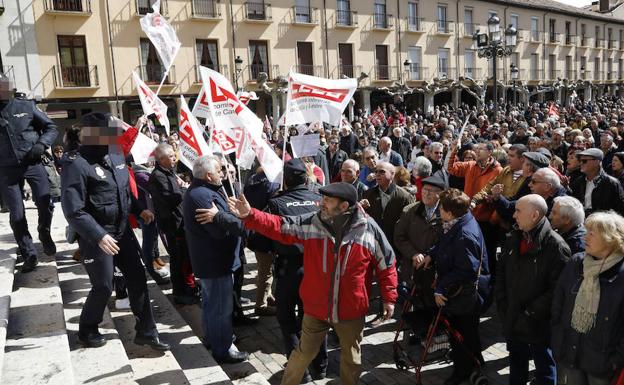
(295, 200)
(97, 200)
(25, 133)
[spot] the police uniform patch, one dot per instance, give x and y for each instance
(100, 172)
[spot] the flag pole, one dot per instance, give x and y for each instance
(284, 155)
(162, 81)
(227, 173)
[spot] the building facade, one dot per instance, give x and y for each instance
(77, 56)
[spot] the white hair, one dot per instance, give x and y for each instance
(204, 165)
(433, 145)
(422, 167)
(351, 162)
(161, 150)
(550, 177)
(571, 208)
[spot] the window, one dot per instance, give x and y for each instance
(381, 19)
(207, 55)
(469, 64)
(610, 37)
(145, 6)
(73, 59)
(469, 27)
(413, 22)
(583, 35)
(568, 68)
(343, 12)
(152, 70)
(443, 63)
(609, 68)
(551, 30)
(534, 29)
(597, 71)
(552, 66)
(381, 60)
(345, 60)
(67, 5)
(514, 20)
(259, 58)
(305, 61)
(620, 68)
(535, 66)
(583, 67)
(442, 22)
(621, 39)
(597, 34)
(568, 38)
(303, 12)
(415, 56)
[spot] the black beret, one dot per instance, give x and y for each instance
(294, 167)
(96, 119)
(341, 190)
(436, 180)
(538, 159)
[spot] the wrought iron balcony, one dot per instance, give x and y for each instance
(205, 9)
(76, 76)
(70, 7)
(152, 74)
(257, 11)
(346, 18)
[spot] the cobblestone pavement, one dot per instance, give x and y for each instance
(264, 341)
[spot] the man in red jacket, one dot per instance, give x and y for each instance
(341, 243)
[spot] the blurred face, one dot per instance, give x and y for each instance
(168, 160)
(384, 146)
(58, 153)
(595, 244)
(348, 173)
(363, 142)
(527, 168)
(331, 207)
(333, 144)
(557, 138)
(482, 153)
(538, 185)
(579, 141)
(384, 175)
(468, 156)
(435, 153)
(573, 161)
(430, 195)
(515, 161)
(616, 164)
(526, 216)
(557, 221)
(370, 159)
(589, 165)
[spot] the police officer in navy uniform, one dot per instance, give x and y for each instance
(25, 133)
(97, 200)
(295, 200)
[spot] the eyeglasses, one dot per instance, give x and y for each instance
(583, 161)
(369, 157)
(533, 181)
(430, 191)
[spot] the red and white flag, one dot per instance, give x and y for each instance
(553, 111)
(151, 103)
(161, 34)
(229, 112)
(226, 142)
(133, 142)
(377, 117)
(312, 99)
(245, 96)
(192, 142)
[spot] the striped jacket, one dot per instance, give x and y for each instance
(333, 286)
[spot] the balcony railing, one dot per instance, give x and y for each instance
(554, 38)
(470, 29)
(152, 74)
(76, 76)
(207, 9)
(598, 75)
(535, 36)
(585, 41)
(385, 72)
(611, 44)
(382, 21)
(571, 74)
(586, 75)
(257, 11)
(553, 74)
(304, 15)
(445, 73)
(600, 43)
(350, 71)
(444, 27)
(414, 24)
(10, 73)
(416, 72)
(143, 7)
(346, 18)
(536, 75)
(473, 73)
(255, 69)
(68, 6)
(222, 69)
(569, 39)
(309, 69)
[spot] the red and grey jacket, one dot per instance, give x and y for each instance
(333, 286)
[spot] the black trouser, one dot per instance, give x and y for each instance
(100, 267)
(490, 237)
(289, 308)
(464, 354)
(239, 279)
(182, 279)
(37, 177)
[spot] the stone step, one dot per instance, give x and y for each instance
(7, 271)
(88, 365)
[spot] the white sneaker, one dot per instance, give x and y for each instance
(163, 272)
(122, 304)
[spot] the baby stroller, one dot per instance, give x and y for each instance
(430, 330)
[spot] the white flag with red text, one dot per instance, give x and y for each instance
(229, 112)
(246, 96)
(151, 103)
(161, 34)
(192, 142)
(312, 99)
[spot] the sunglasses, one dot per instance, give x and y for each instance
(583, 161)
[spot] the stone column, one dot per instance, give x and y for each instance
(112, 108)
(588, 93)
(428, 103)
(366, 102)
(277, 107)
(457, 97)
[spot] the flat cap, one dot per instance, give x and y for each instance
(436, 180)
(546, 152)
(294, 167)
(341, 190)
(539, 160)
(595, 153)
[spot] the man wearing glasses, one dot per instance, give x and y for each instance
(598, 191)
(335, 158)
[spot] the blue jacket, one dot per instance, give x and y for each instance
(456, 257)
(214, 247)
(575, 239)
(505, 208)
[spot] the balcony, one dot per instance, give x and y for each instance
(469, 30)
(68, 7)
(553, 75)
(586, 75)
(417, 73)
(309, 69)
(585, 41)
(445, 73)
(76, 77)
(304, 15)
(554, 38)
(570, 74)
(350, 71)
(382, 21)
(414, 24)
(346, 19)
(598, 75)
(222, 69)
(257, 11)
(536, 75)
(600, 43)
(205, 9)
(143, 7)
(152, 74)
(254, 71)
(384, 72)
(611, 44)
(473, 73)
(569, 39)
(9, 72)
(443, 27)
(534, 36)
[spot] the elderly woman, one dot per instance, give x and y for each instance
(588, 305)
(421, 169)
(461, 264)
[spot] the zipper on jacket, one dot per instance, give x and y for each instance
(332, 304)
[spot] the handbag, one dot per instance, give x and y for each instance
(464, 299)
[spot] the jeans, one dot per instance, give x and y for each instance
(217, 307)
(570, 376)
(519, 355)
(149, 244)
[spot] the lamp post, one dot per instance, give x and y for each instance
(407, 66)
(514, 76)
(238, 68)
(491, 46)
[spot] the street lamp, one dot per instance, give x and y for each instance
(514, 76)
(407, 65)
(491, 46)
(238, 68)
(583, 72)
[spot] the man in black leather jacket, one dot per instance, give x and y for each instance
(25, 133)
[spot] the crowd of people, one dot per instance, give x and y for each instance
(519, 210)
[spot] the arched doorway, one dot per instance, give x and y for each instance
(442, 98)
